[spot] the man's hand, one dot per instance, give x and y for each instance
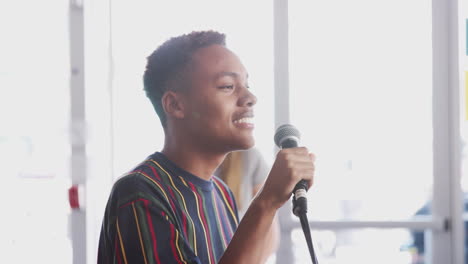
(291, 166)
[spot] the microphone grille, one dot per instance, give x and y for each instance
(285, 131)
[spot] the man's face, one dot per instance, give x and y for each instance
(219, 105)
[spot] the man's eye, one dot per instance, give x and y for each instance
(226, 87)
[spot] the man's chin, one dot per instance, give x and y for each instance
(247, 144)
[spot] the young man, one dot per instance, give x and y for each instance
(170, 208)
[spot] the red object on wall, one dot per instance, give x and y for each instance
(73, 198)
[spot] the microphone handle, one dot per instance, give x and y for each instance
(300, 190)
(292, 143)
(302, 184)
(300, 198)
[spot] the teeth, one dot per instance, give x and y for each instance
(244, 120)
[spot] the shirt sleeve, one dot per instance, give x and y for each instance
(139, 227)
(145, 234)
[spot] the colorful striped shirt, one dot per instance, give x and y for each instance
(159, 213)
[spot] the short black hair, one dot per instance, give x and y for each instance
(166, 65)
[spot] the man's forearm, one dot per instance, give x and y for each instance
(273, 238)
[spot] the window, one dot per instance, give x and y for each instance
(34, 142)
(361, 90)
(361, 93)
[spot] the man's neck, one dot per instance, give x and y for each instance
(200, 164)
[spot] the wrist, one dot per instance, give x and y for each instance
(264, 202)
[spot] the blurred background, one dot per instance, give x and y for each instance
(377, 88)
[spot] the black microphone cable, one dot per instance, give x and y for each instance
(287, 136)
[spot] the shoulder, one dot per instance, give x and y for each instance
(128, 183)
(145, 181)
(146, 172)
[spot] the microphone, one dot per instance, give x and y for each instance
(287, 136)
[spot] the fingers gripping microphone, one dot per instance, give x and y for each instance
(287, 136)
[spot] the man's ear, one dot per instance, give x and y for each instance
(173, 104)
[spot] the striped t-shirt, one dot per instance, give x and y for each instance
(159, 213)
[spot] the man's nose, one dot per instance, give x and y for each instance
(248, 99)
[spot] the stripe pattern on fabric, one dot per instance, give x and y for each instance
(159, 213)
